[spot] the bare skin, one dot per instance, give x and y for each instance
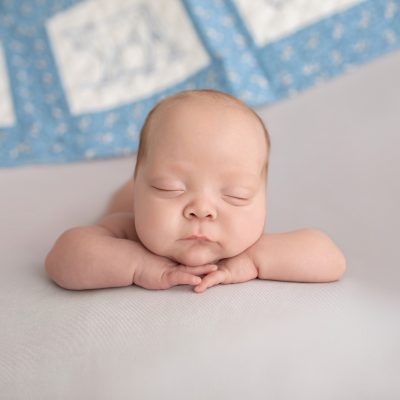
(109, 254)
(94, 262)
(122, 200)
(202, 176)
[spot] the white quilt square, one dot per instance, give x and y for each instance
(269, 20)
(114, 52)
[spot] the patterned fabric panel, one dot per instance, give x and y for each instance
(77, 78)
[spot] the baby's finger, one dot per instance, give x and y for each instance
(199, 270)
(212, 279)
(177, 277)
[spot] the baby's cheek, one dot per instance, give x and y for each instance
(246, 231)
(155, 229)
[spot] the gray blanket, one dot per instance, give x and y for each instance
(334, 166)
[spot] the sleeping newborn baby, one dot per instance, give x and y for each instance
(195, 211)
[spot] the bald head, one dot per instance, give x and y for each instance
(193, 108)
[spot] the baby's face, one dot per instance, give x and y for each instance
(202, 176)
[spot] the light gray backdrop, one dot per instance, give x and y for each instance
(334, 166)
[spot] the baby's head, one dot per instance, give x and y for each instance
(201, 171)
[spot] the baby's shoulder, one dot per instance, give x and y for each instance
(120, 224)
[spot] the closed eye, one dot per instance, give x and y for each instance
(238, 198)
(168, 190)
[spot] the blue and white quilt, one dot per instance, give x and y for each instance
(77, 78)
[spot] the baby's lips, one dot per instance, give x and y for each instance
(198, 237)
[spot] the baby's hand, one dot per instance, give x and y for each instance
(240, 268)
(156, 272)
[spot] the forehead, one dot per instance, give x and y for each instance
(202, 126)
(198, 106)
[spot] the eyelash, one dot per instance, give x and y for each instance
(181, 190)
(238, 198)
(166, 190)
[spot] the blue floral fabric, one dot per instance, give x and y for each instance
(77, 78)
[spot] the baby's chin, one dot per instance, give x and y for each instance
(193, 258)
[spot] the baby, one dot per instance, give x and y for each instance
(195, 210)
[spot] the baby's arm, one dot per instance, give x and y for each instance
(96, 256)
(306, 255)
(109, 254)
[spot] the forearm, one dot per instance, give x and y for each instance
(306, 255)
(89, 258)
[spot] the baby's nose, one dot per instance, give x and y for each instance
(200, 211)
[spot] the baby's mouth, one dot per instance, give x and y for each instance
(198, 237)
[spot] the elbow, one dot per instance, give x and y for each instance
(55, 271)
(334, 266)
(56, 265)
(338, 266)
(51, 268)
(48, 264)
